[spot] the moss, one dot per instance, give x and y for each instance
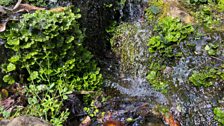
(123, 45)
(156, 10)
(207, 14)
(219, 115)
(206, 77)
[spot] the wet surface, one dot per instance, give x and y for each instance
(188, 104)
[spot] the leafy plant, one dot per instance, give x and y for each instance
(155, 76)
(170, 33)
(3, 113)
(205, 78)
(220, 5)
(205, 17)
(47, 48)
(211, 49)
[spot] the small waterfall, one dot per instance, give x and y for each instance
(130, 47)
(189, 104)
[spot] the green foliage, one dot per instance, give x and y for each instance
(47, 46)
(170, 33)
(219, 114)
(211, 49)
(198, 1)
(205, 77)
(6, 2)
(3, 113)
(156, 78)
(155, 10)
(220, 5)
(205, 17)
(201, 79)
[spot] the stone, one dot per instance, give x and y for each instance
(176, 10)
(24, 121)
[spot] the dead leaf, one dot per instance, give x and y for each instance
(3, 26)
(170, 120)
(27, 8)
(86, 121)
(4, 93)
(113, 123)
(57, 9)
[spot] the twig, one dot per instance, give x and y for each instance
(217, 58)
(84, 92)
(17, 4)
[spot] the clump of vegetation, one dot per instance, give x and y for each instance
(220, 5)
(155, 10)
(206, 77)
(157, 80)
(211, 49)
(205, 17)
(207, 13)
(47, 55)
(198, 1)
(6, 2)
(170, 33)
(219, 115)
(202, 79)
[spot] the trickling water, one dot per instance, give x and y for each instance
(129, 77)
(189, 105)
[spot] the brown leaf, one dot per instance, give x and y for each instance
(113, 123)
(27, 8)
(3, 26)
(86, 121)
(57, 9)
(170, 120)
(4, 93)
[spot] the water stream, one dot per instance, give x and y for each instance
(188, 104)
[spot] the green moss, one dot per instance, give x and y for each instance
(219, 115)
(156, 9)
(124, 46)
(154, 79)
(207, 14)
(205, 77)
(47, 48)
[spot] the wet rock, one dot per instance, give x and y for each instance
(25, 121)
(175, 9)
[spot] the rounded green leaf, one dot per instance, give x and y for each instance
(13, 42)
(11, 67)
(8, 79)
(14, 59)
